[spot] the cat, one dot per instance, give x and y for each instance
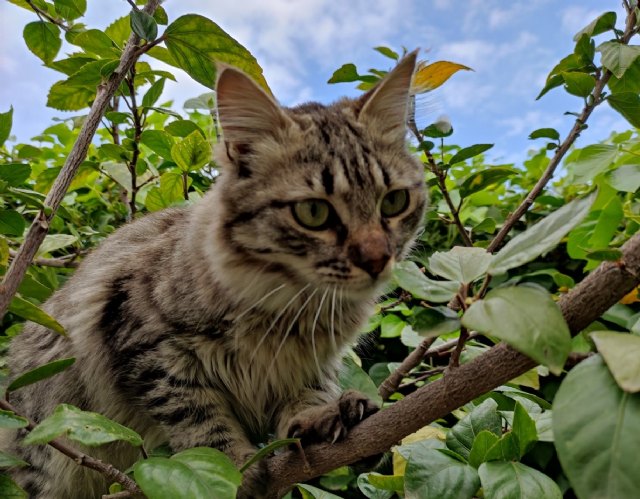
(225, 322)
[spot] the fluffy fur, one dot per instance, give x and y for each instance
(224, 322)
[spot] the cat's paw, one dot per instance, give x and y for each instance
(331, 422)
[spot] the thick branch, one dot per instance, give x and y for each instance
(585, 303)
(83, 459)
(40, 225)
(390, 385)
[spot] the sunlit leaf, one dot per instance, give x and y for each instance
(43, 39)
(621, 352)
(431, 76)
(6, 120)
(460, 264)
(618, 57)
(628, 105)
(502, 480)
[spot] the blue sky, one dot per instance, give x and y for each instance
(511, 45)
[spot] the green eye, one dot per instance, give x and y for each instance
(312, 214)
(394, 203)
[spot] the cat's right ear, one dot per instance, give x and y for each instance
(246, 113)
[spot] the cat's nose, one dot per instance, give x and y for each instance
(371, 253)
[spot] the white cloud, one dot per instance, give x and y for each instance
(576, 17)
(531, 120)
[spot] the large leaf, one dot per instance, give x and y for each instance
(196, 44)
(469, 152)
(31, 312)
(596, 425)
(431, 76)
(8, 461)
(434, 321)
(621, 352)
(601, 24)
(482, 444)
(66, 97)
(41, 372)
(87, 428)
(541, 237)
(625, 178)
(502, 480)
(143, 25)
(11, 223)
(6, 120)
(53, 242)
(617, 57)
(432, 473)
(580, 84)
(373, 491)
(482, 179)
(528, 319)
(14, 174)
(70, 9)
(197, 472)
(43, 39)
(192, 152)
(11, 420)
(158, 141)
(460, 264)
(484, 417)
(10, 489)
(352, 376)
(523, 429)
(628, 105)
(589, 161)
(408, 276)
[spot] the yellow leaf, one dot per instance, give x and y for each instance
(631, 297)
(425, 433)
(431, 76)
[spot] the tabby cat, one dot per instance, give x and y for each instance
(222, 323)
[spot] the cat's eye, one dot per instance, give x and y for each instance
(312, 214)
(394, 203)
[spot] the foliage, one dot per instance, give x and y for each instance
(537, 435)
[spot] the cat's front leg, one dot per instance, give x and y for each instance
(331, 421)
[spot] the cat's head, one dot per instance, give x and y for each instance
(323, 195)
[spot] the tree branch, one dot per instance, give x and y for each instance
(601, 289)
(63, 262)
(40, 226)
(390, 385)
(81, 458)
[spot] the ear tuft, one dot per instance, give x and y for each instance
(387, 103)
(245, 111)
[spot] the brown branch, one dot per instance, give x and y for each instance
(81, 458)
(592, 102)
(390, 385)
(40, 225)
(137, 133)
(580, 307)
(41, 13)
(63, 262)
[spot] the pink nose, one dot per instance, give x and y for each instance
(371, 254)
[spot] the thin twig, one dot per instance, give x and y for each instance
(62, 262)
(454, 361)
(445, 348)
(137, 133)
(44, 14)
(81, 458)
(423, 377)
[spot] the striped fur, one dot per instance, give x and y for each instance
(214, 325)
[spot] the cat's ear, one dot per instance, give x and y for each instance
(245, 111)
(386, 104)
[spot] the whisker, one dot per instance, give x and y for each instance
(286, 334)
(333, 326)
(259, 302)
(275, 321)
(313, 331)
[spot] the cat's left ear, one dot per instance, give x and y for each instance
(245, 111)
(386, 105)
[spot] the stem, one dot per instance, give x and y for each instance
(40, 225)
(81, 458)
(44, 14)
(185, 185)
(62, 262)
(137, 127)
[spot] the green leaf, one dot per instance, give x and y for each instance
(182, 128)
(206, 101)
(483, 417)
(460, 264)
(630, 81)
(153, 94)
(391, 326)
(387, 52)
(431, 473)
(628, 105)
(597, 444)
(554, 80)
(6, 120)
(469, 152)
(9, 489)
(311, 492)
(482, 443)
(198, 472)
(43, 39)
(609, 217)
(196, 44)
(408, 276)
(505, 449)
(585, 49)
(160, 15)
(171, 187)
(41, 372)
(97, 42)
(589, 161)
(606, 255)
(11, 223)
(158, 141)
(8, 461)
(541, 237)
(523, 429)
(87, 428)
(192, 152)
(501, 480)
(70, 9)
(386, 482)
(618, 57)
(480, 180)
(119, 30)
(371, 491)
(268, 449)
(11, 420)
(53, 242)
(66, 97)
(345, 74)
(601, 24)
(625, 178)
(580, 84)
(352, 376)
(621, 352)
(434, 321)
(143, 25)
(528, 319)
